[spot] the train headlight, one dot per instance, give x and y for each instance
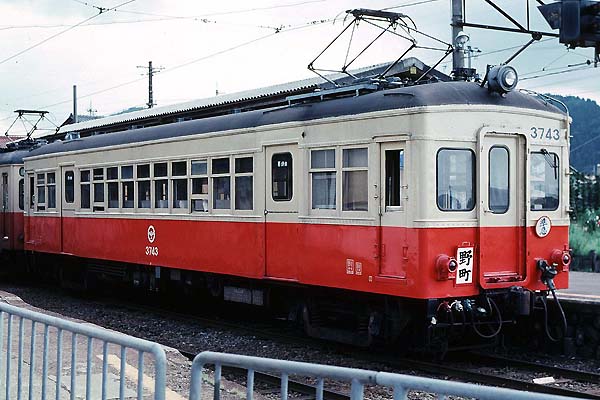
(502, 79)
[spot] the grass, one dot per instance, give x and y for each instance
(582, 241)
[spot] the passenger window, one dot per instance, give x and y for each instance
(244, 196)
(544, 181)
(127, 185)
(323, 178)
(98, 178)
(499, 190)
(143, 186)
(21, 194)
(112, 176)
(221, 184)
(394, 176)
(180, 186)
(199, 186)
(160, 169)
(5, 192)
(51, 180)
(41, 192)
(85, 189)
(112, 173)
(161, 193)
(281, 171)
(69, 186)
(355, 179)
(455, 180)
(31, 192)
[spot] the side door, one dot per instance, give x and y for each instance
(502, 211)
(5, 210)
(67, 201)
(282, 244)
(393, 250)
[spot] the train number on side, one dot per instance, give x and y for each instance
(152, 251)
(544, 133)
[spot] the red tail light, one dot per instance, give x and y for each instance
(445, 267)
(561, 258)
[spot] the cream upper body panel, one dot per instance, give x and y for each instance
(422, 131)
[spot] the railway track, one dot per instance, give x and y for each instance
(476, 373)
(493, 379)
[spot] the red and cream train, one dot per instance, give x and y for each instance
(418, 209)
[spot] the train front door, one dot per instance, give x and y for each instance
(502, 208)
(282, 244)
(393, 248)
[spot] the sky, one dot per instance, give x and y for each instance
(228, 46)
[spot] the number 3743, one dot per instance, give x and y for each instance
(544, 133)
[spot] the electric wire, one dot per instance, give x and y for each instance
(170, 69)
(241, 11)
(62, 32)
(163, 17)
(415, 3)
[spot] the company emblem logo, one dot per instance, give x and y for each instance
(151, 234)
(543, 226)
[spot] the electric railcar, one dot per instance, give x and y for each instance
(12, 185)
(421, 209)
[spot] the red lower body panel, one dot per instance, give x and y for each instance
(340, 256)
(11, 229)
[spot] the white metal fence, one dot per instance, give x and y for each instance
(358, 379)
(103, 364)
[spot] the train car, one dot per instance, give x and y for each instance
(438, 209)
(12, 185)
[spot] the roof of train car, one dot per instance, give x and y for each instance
(435, 94)
(14, 157)
(254, 95)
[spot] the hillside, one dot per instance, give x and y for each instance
(585, 144)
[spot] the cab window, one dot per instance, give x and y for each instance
(544, 175)
(455, 180)
(499, 190)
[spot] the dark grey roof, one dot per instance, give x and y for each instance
(288, 88)
(12, 157)
(433, 94)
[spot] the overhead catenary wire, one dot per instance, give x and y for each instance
(241, 11)
(414, 3)
(182, 65)
(63, 31)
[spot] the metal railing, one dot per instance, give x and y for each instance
(104, 350)
(358, 379)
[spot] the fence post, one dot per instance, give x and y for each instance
(595, 261)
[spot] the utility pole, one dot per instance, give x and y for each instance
(74, 104)
(91, 110)
(150, 73)
(458, 59)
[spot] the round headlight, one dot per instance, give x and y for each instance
(502, 79)
(510, 78)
